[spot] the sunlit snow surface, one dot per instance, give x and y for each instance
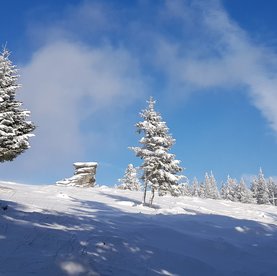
(54, 230)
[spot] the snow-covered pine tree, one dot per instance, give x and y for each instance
(260, 189)
(14, 129)
(207, 184)
(160, 169)
(211, 190)
(243, 194)
(228, 190)
(215, 193)
(272, 189)
(130, 180)
(195, 187)
(202, 190)
(254, 189)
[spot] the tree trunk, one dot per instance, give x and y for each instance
(144, 195)
(152, 197)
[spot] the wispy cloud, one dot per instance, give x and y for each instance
(217, 54)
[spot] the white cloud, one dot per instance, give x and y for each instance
(64, 84)
(219, 54)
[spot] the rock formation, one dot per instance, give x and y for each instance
(84, 175)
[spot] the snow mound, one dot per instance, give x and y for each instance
(126, 203)
(62, 195)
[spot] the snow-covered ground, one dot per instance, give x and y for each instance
(54, 230)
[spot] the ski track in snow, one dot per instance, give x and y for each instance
(55, 230)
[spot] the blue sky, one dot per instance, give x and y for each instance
(88, 67)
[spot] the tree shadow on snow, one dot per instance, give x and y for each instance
(102, 240)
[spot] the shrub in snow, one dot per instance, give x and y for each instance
(184, 189)
(211, 190)
(14, 129)
(228, 190)
(160, 169)
(130, 180)
(260, 189)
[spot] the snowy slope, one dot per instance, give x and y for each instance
(54, 230)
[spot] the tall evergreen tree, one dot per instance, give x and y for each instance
(14, 129)
(260, 189)
(130, 180)
(160, 169)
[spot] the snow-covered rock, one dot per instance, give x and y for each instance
(84, 175)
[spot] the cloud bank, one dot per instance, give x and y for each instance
(63, 74)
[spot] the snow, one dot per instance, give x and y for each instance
(55, 230)
(85, 164)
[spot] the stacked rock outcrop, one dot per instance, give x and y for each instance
(84, 175)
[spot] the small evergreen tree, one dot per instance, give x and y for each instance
(14, 129)
(195, 188)
(254, 189)
(260, 189)
(272, 189)
(130, 180)
(228, 190)
(243, 194)
(211, 190)
(202, 190)
(160, 169)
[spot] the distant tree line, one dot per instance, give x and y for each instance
(261, 191)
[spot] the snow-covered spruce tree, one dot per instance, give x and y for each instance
(195, 187)
(130, 180)
(272, 189)
(260, 189)
(228, 190)
(202, 190)
(159, 167)
(14, 129)
(211, 190)
(243, 194)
